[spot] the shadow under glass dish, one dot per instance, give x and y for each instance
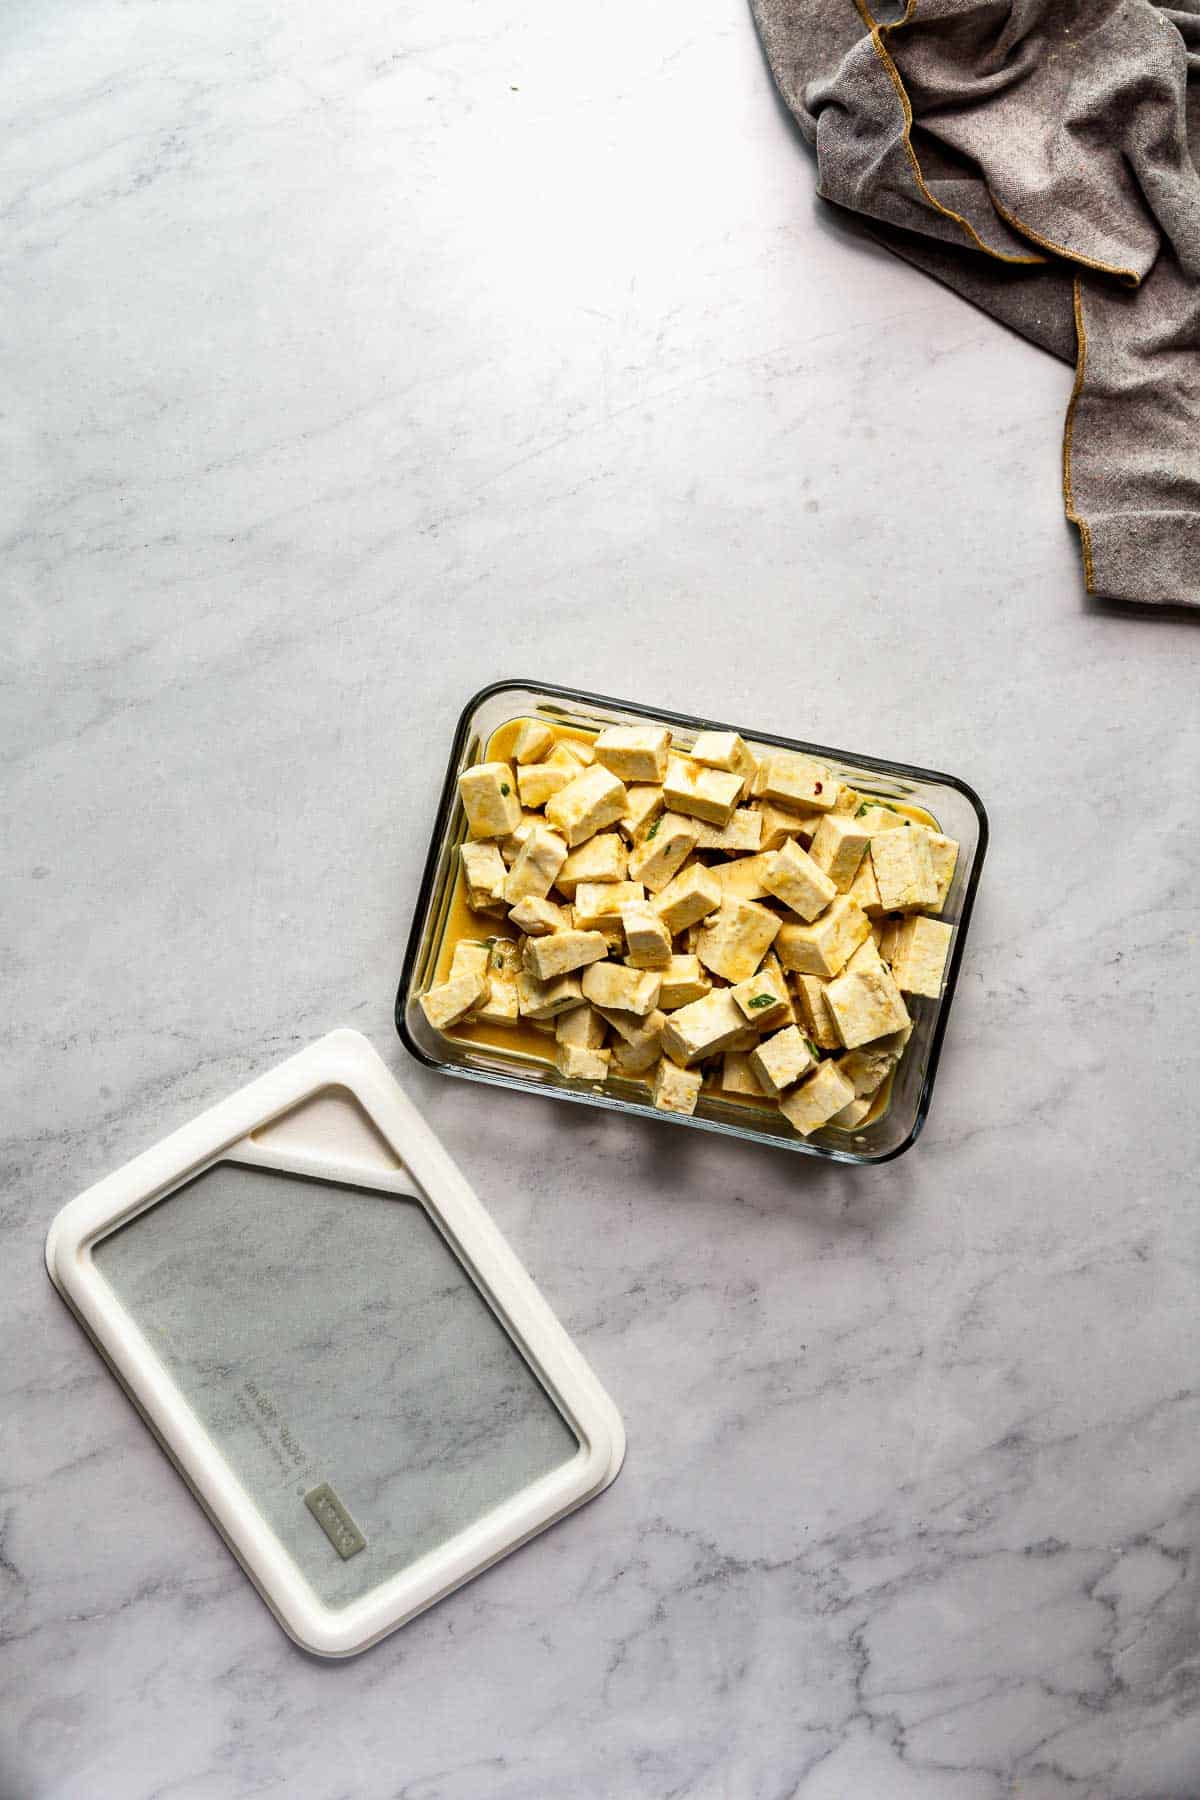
(954, 805)
(328, 1334)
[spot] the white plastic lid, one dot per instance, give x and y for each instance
(335, 1345)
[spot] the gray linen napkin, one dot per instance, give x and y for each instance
(1040, 156)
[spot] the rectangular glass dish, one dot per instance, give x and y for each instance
(481, 1053)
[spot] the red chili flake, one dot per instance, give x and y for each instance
(816, 787)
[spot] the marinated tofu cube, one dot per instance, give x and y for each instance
(501, 1006)
(602, 858)
(484, 872)
(539, 782)
(792, 876)
(824, 947)
(683, 980)
(562, 951)
(737, 1077)
(726, 750)
(771, 966)
(534, 742)
(640, 1043)
(797, 782)
(490, 801)
(536, 918)
(852, 1115)
(634, 752)
(647, 938)
(451, 1001)
(778, 825)
(838, 846)
(568, 755)
(580, 751)
(512, 845)
(816, 1100)
(656, 858)
(918, 949)
(745, 878)
(874, 817)
(546, 999)
(745, 1041)
(643, 805)
(532, 875)
(848, 801)
(703, 1027)
(865, 957)
(675, 1090)
(593, 800)
(700, 793)
(598, 904)
(694, 893)
(815, 1014)
(943, 853)
(866, 1005)
(614, 988)
(609, 929)
(470, 959)
(865, 889)
(578, 1063)
(582, 1026)
(903, 869)
(868, 1068)
(764, 1000)
(743, 832)
(737, 937)
(780, 1061)
(505, 955)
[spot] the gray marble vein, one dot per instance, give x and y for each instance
(353, 358)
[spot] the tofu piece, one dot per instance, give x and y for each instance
(594, 799)
(824, 947)
(612, 987)
(778, 825)
(838, 846)
(568, 755)
(903, 869)
(815, 1014)
(745, 878)
(451, 1001)
(866, 1005)
(865, 957)
(854, 1114)
(578, 749)
(771, 966)
(534, 742)
(579, 1063)
(675, 1090)
(470, 959)
(609, 929)
(764, 1000)
(797, 782)
(634, 752)
(918, 949)
(745, 1041)
(700, 793)
(943, 852)
(780, 1061)
(865, 889)
(502, 1006)
(726, 750)
(683, 980)
(868, 1068)
(641, 1040)
(562, 951)
(490, 799)
(874, 817)
(736, 939)
(539, 782)
(848, 801)
(532, 875)
(694, 893)
(602, 858)
(743, 832)
(505, 955)
(656, 858)
(703, 1027)
(645, 803)
(546, 999)
(816, 1100)
(536, 917)
(484, 872)
(647, 938)
(512, 845)
(737, 1077)
(582, 1026)
(598, 904)
(792, 876)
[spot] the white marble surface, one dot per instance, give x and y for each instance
(352, 358)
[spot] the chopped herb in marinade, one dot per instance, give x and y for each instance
(653, 831)
(505, 789)
(762, 999)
